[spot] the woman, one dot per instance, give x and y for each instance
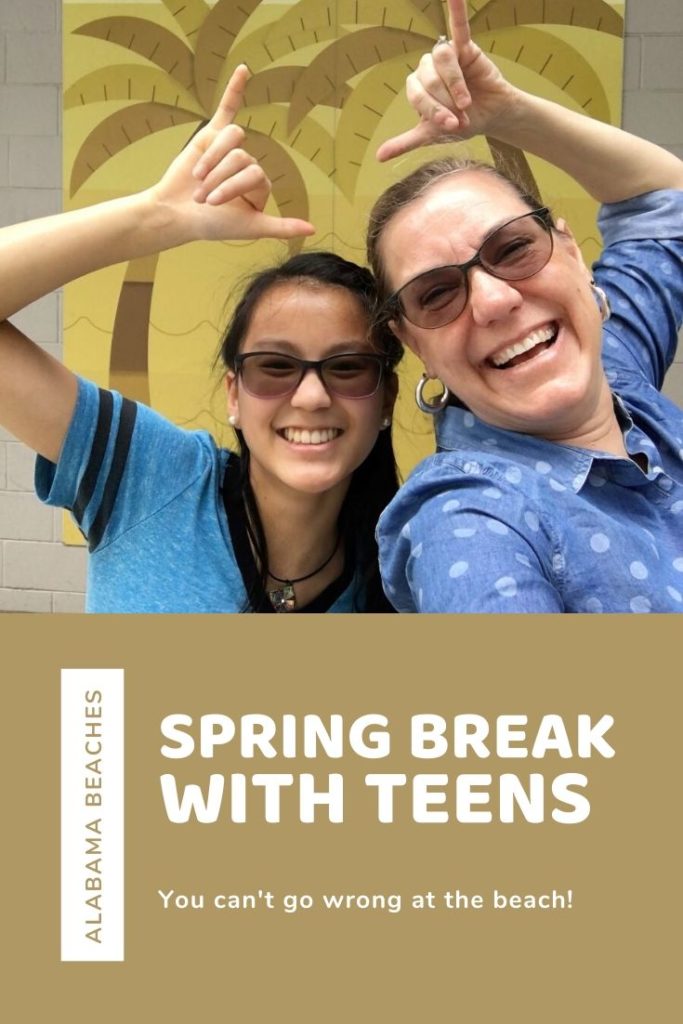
(173, 523)
(558, 481)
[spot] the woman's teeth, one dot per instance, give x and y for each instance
(535, 338)
(310, 436)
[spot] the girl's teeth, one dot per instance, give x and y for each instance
(310, 436)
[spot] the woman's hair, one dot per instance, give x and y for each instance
(414, 186)
(375, 481)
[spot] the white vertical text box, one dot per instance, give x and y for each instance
(92, 869)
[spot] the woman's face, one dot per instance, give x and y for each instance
(311, 440)
(556, 387)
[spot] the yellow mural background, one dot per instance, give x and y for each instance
(326, 89)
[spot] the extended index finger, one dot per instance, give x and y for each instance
(231, 100)
(459, 23)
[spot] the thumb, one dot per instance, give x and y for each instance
(265, 226)
(421, 135)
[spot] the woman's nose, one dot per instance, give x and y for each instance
(311, 392)
(491, 298)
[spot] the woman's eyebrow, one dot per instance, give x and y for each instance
(507, 219)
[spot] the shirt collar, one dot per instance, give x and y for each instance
(458, 429)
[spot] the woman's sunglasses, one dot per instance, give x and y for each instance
(274, 374)
(513, 252)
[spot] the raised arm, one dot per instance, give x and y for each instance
(212, 190)
(458, 93)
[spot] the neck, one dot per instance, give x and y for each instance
(301, 532)
(599, 430)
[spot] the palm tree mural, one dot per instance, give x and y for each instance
(327, 80)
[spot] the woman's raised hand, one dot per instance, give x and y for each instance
(457, 91)
(217, 189)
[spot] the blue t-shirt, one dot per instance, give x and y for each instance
(148, 497)
(499, 521)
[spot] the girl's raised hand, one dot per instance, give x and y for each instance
(456, 90)
(217, 189)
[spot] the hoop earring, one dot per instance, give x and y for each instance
(602, 301)
(431, 408)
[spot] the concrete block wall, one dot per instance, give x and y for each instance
(37, 573)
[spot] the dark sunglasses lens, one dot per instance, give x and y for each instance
(517, 250)
(270, 375)
(352, 376)
(436, 298)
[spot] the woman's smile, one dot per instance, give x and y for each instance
(523, 351)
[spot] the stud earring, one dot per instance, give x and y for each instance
(386, 422)
(232, 420)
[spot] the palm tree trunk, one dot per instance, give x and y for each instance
(128, 360)
(511, 161)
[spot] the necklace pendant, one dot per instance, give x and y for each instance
(284, 599)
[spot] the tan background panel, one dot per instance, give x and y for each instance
(609, 957)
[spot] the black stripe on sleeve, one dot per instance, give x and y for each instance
(118, 464)
(86, 487)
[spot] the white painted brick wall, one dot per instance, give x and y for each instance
(36, 572)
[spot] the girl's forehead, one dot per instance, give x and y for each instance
(298, 317)
(285, 297)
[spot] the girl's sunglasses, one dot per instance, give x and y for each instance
(274, 374)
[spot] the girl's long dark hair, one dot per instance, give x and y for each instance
(375, 481)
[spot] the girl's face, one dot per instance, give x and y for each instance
(311, 440)
(554, 387)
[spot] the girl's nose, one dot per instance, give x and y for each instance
(311, 393)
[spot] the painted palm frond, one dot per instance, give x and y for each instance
(310, 140)
(289, 190)
(553, 59)
(216, 37)
(593, 14)
(273, 85)
(149, 40)
(346, 58)
(122, 129)
(435, 13)
(362, 114)
(132, 82)
(404, 15)
(190, 16)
